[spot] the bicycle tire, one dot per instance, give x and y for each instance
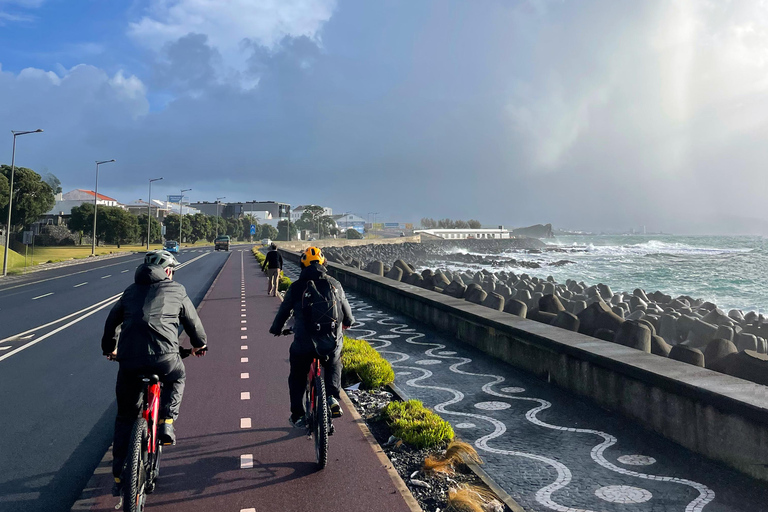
(134, 472)
(321, 423)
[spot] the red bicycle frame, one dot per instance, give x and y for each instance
(150, 412)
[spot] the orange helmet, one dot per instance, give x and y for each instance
(312, 254)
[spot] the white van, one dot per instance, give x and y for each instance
(266, 241)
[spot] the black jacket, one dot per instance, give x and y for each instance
(273, 260)
(302, 341)
(150, 312)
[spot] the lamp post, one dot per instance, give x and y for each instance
(10, 199)
(217, 214)
(149, 210)
(181, 213)
(95, 204)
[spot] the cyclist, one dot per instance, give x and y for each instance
(302, 350)
(273, 264)
(149, 313)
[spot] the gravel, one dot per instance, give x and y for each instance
(430, 490)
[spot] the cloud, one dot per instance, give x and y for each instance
(231, 27)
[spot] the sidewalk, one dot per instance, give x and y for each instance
(235, 450)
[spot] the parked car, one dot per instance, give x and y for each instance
(172, 246)
(221, 243)
(266, 241)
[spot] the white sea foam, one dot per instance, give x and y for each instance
(656, 247)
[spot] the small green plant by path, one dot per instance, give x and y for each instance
(416, 425)
(260, 257)
(284, 283)
(362, 362)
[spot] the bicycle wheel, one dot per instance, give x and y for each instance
(320, 409)
(135, 472)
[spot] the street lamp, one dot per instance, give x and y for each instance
(217, 214)
(95, 203)
(10, 199)
(149, 210)
(181, 213)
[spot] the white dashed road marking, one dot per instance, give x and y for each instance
(41, 296)
(108, 275)
(81, 284)
(243, 359)
(124, 271)
(245, 395)
(243, 347)
(246, 461)
(244, 375)
(245, 422)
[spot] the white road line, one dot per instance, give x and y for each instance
(247, 510)
(5, 348)
(124, 271)
(73, 322)
(243, 315)
(243, 328)
(243, 337)
(245, 395)
(246, 461)
(41, 296)
(242, 310)
(243, 359)
(244, 375)
(243, 321)
(81, 284)
(60, 277)
(245, 422)
(106, 276)
(243, 347)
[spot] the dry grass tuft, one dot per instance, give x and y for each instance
(458, 452)
(469, 498)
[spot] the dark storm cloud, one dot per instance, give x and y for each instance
(593, 115)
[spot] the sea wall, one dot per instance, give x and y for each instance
(716, 415)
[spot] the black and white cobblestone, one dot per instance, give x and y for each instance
(547, 448)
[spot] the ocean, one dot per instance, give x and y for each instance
(729, 271)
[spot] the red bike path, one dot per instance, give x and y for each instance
(235, 450)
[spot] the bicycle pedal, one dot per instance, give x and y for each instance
(119, 504)
(331, 430)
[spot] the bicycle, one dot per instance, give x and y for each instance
(142, 461)
(317, 413)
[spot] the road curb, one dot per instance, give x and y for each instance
(393, 474)
(86, 502)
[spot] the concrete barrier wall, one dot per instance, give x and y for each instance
(343, 242)
(710, 413)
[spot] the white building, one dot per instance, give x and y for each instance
(85, 196)
(463, 234)
(350, 220)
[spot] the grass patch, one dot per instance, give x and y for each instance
(260, 257)
(15, 260)
(363, 362)
(416, 425)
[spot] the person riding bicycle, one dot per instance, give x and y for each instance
(303, 349)
(147, 318)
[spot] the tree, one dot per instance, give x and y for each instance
(282, 229)
(115, 225)
(353, 234)
(428, 223)
(222, 228)
(200, 226)
(52, 182)
(81, 220)
(474, 224)
(171, 223)
(268, 231)
(446, 224)
(3, 192)
(32, 197)
(156, 230)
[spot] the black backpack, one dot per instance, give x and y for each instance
(322, 315)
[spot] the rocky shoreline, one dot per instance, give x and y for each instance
(683, 328)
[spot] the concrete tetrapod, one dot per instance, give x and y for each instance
(455, 289)
(475, 293)
(516, 307)
(396, 273)
(494, 301)
(716, 352)
(687, 354)
(568, 321)
(550, 304)
(748, 365)
(659, 346)
(635, 335)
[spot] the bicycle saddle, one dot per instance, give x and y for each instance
(153, 379)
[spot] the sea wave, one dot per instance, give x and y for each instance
(653, 247)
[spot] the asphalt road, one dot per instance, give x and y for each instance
(56, 389)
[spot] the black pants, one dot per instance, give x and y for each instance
(297, 380)
(129, 390)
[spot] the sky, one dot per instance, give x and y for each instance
(589, 115)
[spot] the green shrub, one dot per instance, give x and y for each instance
(416, 425)
(283, 283)
(260, 257)
(362, 361)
